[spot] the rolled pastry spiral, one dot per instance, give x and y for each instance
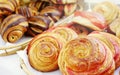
(63, 1)
(43, 51)
(112, 42)
(65, 32)
(108, 10)
(86, 56)
(90, 20)
(38, 24)
(13, 27)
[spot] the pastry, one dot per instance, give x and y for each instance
(64, 31)
(79, 29)
(86, 56)
(67, 9)
(63, 1)
(39, 5)
(43, 51)
(91, 20)
(112, 42)
(38, 24)
(26, 11)
(52, 13)
(13, 27)
(7, 7)
(108, 10)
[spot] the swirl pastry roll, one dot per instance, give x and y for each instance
(52, 13)
(26, 11)
(43, 51)
(38, 24)
(108, 10)
(86, 56)
(112, 42)
(91, 20)
(65, 32)
(13, 27)
(39, 5)
(63, 1)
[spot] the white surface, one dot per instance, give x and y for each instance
(10, 65)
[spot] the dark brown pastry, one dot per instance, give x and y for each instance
(13, 27)
(8, 7)
(27, 11)
(52, 13)
(38, 24)
(39, 5)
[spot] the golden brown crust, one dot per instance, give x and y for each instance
(63, 1)
(43, 51)
(87, 56)
(13, 27)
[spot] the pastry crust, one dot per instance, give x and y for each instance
(43, 51)
(86, 56)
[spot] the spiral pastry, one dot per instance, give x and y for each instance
(13, 27)
(80, 30)
(114, 27)
(65, 32)
(43, 51)
(90, 20)
(86, 56)
(112, 42)
(26, 11)
(108, 10)
(38, 24)
(39, 5)
(63, 1)
(52, 13)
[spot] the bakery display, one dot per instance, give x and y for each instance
(65, 36)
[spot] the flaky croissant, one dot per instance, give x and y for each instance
(13, 27)
(86, 56)
(43, 51)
